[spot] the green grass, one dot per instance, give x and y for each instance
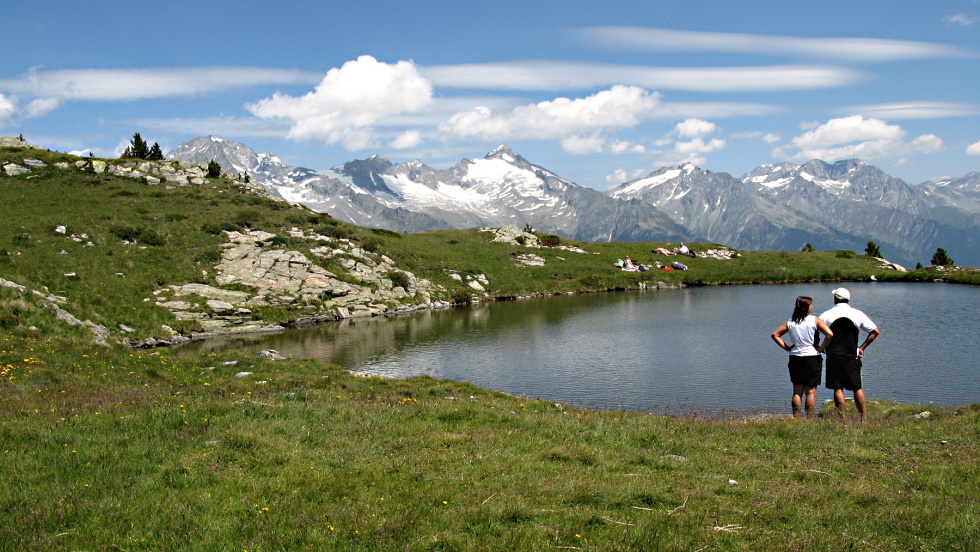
(106, 449)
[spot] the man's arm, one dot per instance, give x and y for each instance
(872, 335)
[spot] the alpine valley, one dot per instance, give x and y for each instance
(774, 207)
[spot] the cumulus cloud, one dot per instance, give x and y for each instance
(137, 84)
(41, 106)
(7, 110)
(855, 49)
(349, 101)
(11, 111)
(973, 149)
(555, 75)
(407, 139)
(618, 107)
(694, 128)
(855, 136)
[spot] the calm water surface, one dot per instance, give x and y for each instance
(659, 350)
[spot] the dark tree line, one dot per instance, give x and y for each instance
(138, 149)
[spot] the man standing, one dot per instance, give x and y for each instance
(843, 354)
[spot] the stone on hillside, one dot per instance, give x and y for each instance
(13, 169)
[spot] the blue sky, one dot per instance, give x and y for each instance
(599, 93)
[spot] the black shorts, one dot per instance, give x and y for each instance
(805, 370)
(844, 373)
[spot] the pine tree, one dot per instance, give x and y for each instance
(808, 248)
(872, 250)
(138, 148)
(214, 169)
(155, 154)
(940, 258)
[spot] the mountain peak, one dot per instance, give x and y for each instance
(502, 152)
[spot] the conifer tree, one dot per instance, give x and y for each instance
(214, 169)
(940, 258)
(138, 148)
(155, 153)
(872, 250)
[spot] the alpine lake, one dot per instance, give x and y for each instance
(701, 349)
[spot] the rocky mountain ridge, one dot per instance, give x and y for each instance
(782, 206)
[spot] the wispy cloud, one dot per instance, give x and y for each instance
(219, 126)
(137, 84)
(961, 19)
(912, 110)
(856, 136)
(644, 39)
(554, 75)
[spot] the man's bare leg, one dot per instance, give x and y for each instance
(861, 404)
(839, 403)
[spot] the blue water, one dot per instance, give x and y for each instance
(696, 348)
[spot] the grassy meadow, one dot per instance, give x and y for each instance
(111, 448)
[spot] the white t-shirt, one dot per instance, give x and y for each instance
(803, 336)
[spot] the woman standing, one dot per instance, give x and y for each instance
(805, 362)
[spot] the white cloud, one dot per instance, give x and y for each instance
(7, 110)
(561, 118)
(136, 84)
(856, 49)
(973, 149)
(913, 110)
(349, 101)
(554, 75)
(698, 146)
(855, 136)
(694, 128)
(620, 176)
(961, 19)
(407, 139)
(41, 106)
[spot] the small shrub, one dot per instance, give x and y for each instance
(336, 232)
(210, 257)
(8, 321)
(295, 219)
(370, 245)
(137, 234)
(460, 297)
(521, 240)
(386, 233)
(550, 240)
(174, 217)
(399, 279)
(214, 169)
(212, 229)
(276, 241)
(247, 218)
(845, 254)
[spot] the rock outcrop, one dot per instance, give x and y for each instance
(277, 277)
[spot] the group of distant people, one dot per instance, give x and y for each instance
(841, 327)
(630, 266)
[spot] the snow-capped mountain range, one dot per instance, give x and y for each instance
(784, 206)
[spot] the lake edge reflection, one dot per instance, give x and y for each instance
(686, 349)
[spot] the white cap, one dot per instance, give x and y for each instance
(842, 294)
